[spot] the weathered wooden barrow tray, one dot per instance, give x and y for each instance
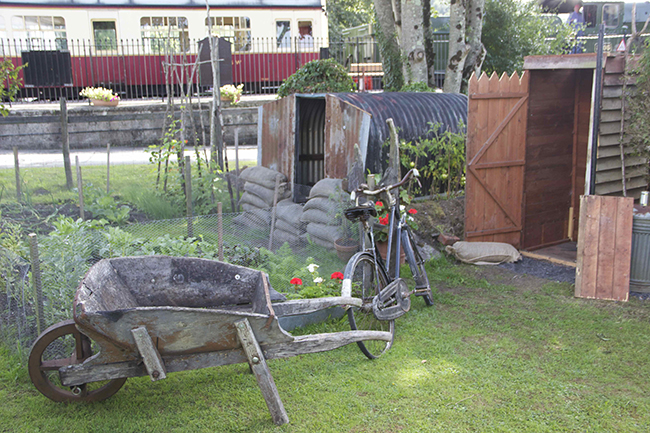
(154, 315)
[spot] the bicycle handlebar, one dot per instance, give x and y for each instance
(362, 188)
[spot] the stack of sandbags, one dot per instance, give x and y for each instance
(323, 212)
(288, 226)
(257, 200)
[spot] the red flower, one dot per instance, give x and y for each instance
(412, 211)
(296, 281)
(379, 204)
(383, 220)
(336, 276)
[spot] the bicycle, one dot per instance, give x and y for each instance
(385, 296)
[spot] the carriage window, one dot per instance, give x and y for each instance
(305, 38)
(236, 29)
(283, 33)
(589, 12)
(105, 35)
(40, 32)
(161, 34)
(610, 16)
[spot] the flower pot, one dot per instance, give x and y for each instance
(100, 103)
(382, 246)
(345, 248)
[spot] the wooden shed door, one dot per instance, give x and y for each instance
(496, 154)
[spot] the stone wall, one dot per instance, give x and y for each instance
(132, 123)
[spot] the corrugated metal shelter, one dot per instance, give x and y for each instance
(531, 144)
(311, 137)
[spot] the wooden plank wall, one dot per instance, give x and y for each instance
(549, 156)
(608, 167)
(604, 248)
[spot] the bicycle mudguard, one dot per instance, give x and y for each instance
(397, 292)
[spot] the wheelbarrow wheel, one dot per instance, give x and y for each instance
(367, 281)
(58, 346)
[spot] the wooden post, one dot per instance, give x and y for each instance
(188, 195)
(261, 370)
(19, 191)
(237, 165)
(65, 141)
(80, 187)
(36, 281)
(108, 168)
(220, 230)
(273, 211)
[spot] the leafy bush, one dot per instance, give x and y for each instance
(417, 87)
(102, 205)
(318, 76)
(639, 103)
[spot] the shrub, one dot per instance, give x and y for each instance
(318, 76)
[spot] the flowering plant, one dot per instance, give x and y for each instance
(232, 93)
(99, 93)
(383, 217)
(319, 287)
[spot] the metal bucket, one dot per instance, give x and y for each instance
(640, 265)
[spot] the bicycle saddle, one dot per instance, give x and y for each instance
(361, 212)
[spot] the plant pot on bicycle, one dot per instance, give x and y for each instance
(385, 295)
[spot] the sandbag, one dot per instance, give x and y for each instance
(260, 217)
(262, 176)
(484, 253)
(283, 225)
(325, 188)
(244, 220)
(318, 241)
(267, 194)
(289, 212)
(280, 237)
(252, 201)
(322, 204)
(325, 232)
(317, 216)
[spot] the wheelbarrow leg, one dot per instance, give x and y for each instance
(150, 355)
(261, 370)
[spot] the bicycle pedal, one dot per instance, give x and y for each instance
(394, 293)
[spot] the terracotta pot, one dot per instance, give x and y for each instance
(383, 249)
(100, 103)
(345, 248)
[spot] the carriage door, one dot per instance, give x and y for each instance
(310, 145)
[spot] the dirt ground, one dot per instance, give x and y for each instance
(445, 215)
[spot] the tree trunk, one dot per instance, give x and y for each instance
(476, 54)
(415, 65)
(389, 47)
(458, 49)
(428, 43)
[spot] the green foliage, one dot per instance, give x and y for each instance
(440, 160)
(391, 61)
(343, 14)
(514, 29)
(639, 106)
(102, 205)
(318, 76)
(9, 83)
(417, 87)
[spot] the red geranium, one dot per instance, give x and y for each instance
(383, 220)
(296, 281)
(379, 204)
(336, 276)
(412, 211)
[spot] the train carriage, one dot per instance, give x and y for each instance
(123, 44)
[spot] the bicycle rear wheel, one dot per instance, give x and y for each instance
(416, 263)
(366, 281)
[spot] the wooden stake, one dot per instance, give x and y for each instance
(19, 191)
(237, 165)
(220, 230)
(188, 195)
(65, 142)
(275, 205)
(36, 281)
(80, 187)
(108, 168)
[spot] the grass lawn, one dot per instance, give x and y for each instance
(497, 353)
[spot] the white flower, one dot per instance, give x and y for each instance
(312, 267)
(318, 280)
(402, 208)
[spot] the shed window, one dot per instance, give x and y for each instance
(105, 35)
(283, 34)
(40, 32)
(610, 16)
(161, 34)
(236, 29)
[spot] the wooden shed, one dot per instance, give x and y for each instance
(311, 137)
(529, 152)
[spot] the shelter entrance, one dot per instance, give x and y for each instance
(310, 146)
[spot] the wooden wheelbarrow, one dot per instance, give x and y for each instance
(154, 315)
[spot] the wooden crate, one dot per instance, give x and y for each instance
(604, 248)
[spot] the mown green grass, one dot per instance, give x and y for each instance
(486, 358)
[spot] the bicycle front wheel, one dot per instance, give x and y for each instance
(366, 281)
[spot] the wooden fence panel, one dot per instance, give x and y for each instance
(604, 248)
